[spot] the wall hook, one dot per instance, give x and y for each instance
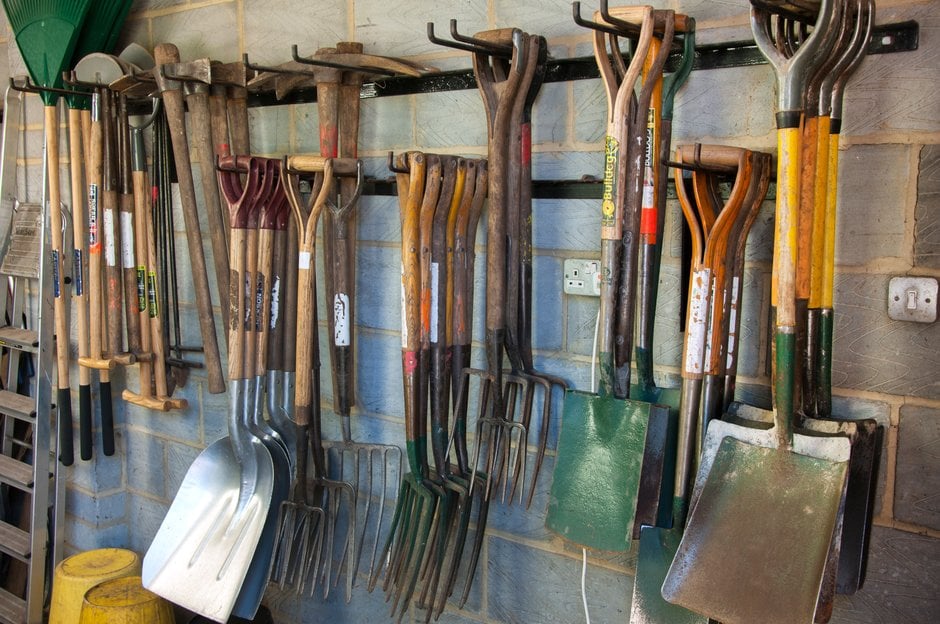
(395, 168)
(580, 21)
(477, 46)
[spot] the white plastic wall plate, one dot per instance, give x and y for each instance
(582, 277)
(912, 299)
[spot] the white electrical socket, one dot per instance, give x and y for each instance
(912, 299)
(582, 277)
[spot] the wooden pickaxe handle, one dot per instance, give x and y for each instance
(173, 101)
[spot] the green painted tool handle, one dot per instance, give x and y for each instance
(411, 308)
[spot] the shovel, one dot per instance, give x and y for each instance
(856, 530)
(594, 488)
(213, 526)
(849, 549)
(722, 568)
(258, 271)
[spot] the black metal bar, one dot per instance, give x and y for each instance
(587, 187)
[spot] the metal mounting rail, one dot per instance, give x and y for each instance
(885, 39)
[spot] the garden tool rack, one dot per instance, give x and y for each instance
(885, 39)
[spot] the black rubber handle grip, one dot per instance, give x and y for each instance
(84, 421)
(107, 419)
(66, 445)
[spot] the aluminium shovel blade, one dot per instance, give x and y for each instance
(205, 540)
(601, 450)
(762, 519)
(865, 436)
(256, 576)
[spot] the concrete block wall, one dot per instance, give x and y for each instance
(883, 369)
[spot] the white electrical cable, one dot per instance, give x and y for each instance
(587, 614)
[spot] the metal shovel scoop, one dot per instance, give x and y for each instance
(210, 532)
(731, 565)
(601, 445)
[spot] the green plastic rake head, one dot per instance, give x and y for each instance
(46, 34)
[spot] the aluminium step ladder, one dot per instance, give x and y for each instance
(28, 469)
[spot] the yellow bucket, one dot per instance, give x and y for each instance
(125, 601)
(79, 573)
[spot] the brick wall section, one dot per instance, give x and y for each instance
(888, 226)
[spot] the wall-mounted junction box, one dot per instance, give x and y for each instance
(582, 277)
(912, 299)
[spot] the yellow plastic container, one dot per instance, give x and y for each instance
(79, 573)
(124, 601)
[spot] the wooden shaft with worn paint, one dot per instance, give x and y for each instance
(173, 102)
(197, 101)
(79, 282)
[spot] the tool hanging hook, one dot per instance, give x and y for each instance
(318, 62)
(628, 29)
(29, 86)
(390, 162)
(477, 47)
(506, 49)
(580, 21)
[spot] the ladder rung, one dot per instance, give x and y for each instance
(16, 473)
(14, 541)
(12, 608)
(17, 405)
(19, 338)
(23, 444)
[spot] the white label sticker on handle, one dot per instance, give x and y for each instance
(303, 260)
(341, 320)
(698, 321)
(732, 322)
(110, 252)
(275, 302)
(435, 276)
(127, 240)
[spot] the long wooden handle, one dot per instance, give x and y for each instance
(146, 364)
(218, 120)
(129, 269)
(63, 396)
(197, 101)
(79, 298)
(110, 232)
(238, 120)
(173, 102)
(155, 314)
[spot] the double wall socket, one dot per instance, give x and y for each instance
(582, 277)
(912, 299)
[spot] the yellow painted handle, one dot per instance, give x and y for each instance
(783, 284)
